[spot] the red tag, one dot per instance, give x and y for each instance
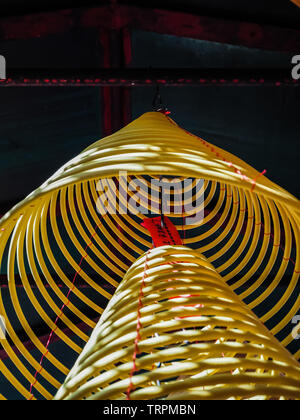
(162, 235)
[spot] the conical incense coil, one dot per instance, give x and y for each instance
(297, 2)
(175, 330)
(250, 233)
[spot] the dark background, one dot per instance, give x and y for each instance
(42, 128)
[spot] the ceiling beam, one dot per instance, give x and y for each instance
(175, 23)
(129, 77)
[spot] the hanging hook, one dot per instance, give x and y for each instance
(157, 100)
(157, 104)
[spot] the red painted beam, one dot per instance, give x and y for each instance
(129, 77)
(106, 102)
(127, 55)
(179, 24)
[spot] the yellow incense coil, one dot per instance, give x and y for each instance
(196, 339)
(297, 2)
(250, 233)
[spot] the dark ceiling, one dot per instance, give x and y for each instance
(42, 128)
(278, 12)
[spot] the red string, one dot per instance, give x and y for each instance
(276, 245)
(254, 182)
(61, 313)
(236, 170)
(138, 329)
(268, 234)
(165, 111)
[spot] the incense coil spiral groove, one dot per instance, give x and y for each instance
(197, 339)
(250, 233)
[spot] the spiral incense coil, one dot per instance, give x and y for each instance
(297, 2)
(196, 339)
(57, 240)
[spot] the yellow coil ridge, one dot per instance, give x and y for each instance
(197, 339)
(249, 233)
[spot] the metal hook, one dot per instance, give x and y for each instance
(157, 101)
